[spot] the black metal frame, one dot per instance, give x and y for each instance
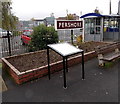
(9, 43)
(65, 64)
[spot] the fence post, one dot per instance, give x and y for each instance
(9, 46)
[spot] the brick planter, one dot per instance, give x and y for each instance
(22, 77)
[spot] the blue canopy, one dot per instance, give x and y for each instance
(91, 14)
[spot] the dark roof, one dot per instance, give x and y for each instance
(98, 15)
(62, 18)
(91, 14)
(38, 19)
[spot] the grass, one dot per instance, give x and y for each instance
(108, 64)
(112, 63)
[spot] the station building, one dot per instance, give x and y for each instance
(99, 27)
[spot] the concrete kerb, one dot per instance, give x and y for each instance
(3, 86)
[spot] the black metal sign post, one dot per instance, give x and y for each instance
(72, 36)
(8, 36)
(64, 72)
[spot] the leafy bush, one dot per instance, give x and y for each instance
(42, 36)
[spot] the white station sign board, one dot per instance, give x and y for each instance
(68, 24)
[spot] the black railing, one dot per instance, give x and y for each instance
(11, 44)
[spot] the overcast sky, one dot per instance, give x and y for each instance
(27, 9)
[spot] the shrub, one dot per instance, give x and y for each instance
(42, 36)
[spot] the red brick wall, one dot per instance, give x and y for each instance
(40, 72)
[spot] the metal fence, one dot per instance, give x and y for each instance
(11, 44)
(65, 35)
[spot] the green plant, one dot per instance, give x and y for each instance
(108, 64)
(9, 20)
(42, 36)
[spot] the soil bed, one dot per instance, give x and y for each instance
(38, 59)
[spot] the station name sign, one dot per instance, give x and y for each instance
(69, 24)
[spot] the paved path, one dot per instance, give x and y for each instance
(100, 85)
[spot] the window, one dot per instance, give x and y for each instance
(111, 24)
(97, 30)
(27, 33)
(97, 21)
(92, 26)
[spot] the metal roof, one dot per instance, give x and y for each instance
(91, 14)
(98, 15)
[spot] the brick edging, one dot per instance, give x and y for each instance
(22, 77)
